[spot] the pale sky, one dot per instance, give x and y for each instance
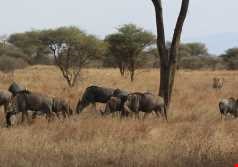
(205, 17)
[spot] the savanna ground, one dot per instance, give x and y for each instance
(194, 136)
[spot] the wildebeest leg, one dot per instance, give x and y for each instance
(126, 110)
(57, 115)
(48, 116)
(137, 115)
(225, 112)
(158, 113)
(145, 115)
(113, 114)
(117, 114)
(34, 115)
(94, 107)
(27, 116)
(8, 118)
(5, 108)
(64, 114)
(23, 114)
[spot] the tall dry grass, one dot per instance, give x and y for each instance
(194, 135)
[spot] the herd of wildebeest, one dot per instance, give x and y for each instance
(17, 99)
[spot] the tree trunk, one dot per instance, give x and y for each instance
(168, 63)
(132, 69)
(132, 74)
(121, 69)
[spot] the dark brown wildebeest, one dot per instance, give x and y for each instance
(116, 102)
(5, 98)
(92, 95)
(228, 106)
(145, 102)
(62, 106)
(26, 100)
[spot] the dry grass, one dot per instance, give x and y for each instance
(194, 136)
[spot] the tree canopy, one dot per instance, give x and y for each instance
(126, 46)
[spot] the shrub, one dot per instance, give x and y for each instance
(8, 63)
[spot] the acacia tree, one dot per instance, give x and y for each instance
(231, 58)
(30, 45)
(168, 56)
(116, 52)
(72, 50)
(127, 45)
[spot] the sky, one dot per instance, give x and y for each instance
(206, 21)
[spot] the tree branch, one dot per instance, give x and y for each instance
(178, 30)
(160, 30)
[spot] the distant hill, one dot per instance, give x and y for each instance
(217, 43)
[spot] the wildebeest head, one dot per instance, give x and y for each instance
(79, 106)
(15, 88)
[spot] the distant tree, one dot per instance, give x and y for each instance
(197, 49)
(30, 44)
(127, 45)
(231, 58)
(11, 58)
(72, 50)
(191, 55)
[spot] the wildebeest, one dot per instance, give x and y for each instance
(228, 106)
(5, 98)
(113, 105)
(116, 102)
(218, 83)
(62, 106)
(94, 94)
(26, 100)
(145, 102)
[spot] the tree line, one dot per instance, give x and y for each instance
(129, 48)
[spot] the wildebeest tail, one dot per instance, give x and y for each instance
(70, 110)
(165, 112)
(221, 108)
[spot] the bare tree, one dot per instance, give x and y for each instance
(168, 56)
(63, 59)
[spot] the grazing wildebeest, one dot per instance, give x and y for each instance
(26, 100)
(5, 98)
(228, 106)
(116, 102)
(218, 83)
(92, 95)
(62, 106)
(145, 102)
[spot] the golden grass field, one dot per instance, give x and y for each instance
(195, 136)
